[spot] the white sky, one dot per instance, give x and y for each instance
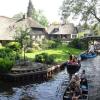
(50, 8)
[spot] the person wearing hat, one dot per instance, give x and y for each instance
(76, 78)
(76, 87)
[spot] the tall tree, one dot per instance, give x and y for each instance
(30, 9)
(37, 15)
(87, 9)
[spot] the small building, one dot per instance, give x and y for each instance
(64, 32)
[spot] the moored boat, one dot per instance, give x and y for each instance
(88, 55)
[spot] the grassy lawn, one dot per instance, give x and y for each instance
(61, 53)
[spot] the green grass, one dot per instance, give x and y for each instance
(61, 53)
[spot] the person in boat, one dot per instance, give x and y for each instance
(91, 48)
(83, 79)
(74, 88)
(77, 93)
(76, 78)
(72, 60)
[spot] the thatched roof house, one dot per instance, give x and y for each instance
(62, 31)
(8, 26)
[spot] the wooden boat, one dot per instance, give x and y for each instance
(72, 68)
(84, 96)
(89, 55)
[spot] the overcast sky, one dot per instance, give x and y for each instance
(50, 8)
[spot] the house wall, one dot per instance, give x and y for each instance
(73, 36)
(38, 34)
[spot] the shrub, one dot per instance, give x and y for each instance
(7, 52)
(44, 58)
(14, 46)
(29, 50)
(77, 43)
(6, 64)
(50, 59)
(36, 46)
(52, 44)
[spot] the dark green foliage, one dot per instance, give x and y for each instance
(50, 59)
(6, 64)
(7, 52)
(78, 44)
(44, 58)
(14, 46)
(54, 43)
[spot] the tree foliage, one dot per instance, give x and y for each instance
(22, 36)
(84, 8)
(38, 16)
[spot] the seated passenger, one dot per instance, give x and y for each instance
(77, 79)
(91, 48)
(72, 60)
(75, 88)
(77, 93)
(83, 75)
(84, 79)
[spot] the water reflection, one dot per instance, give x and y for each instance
(53, 89)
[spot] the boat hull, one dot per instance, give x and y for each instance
(87, 56)
(73, 68)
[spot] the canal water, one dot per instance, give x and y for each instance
(54, 88)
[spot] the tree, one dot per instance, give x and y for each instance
(96, 28)
(84, 8)
(23, 37)
(39, 17)
(85, 26)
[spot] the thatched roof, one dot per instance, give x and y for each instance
(28, 22)
(62, 29)
(8, 26)
(5, 23)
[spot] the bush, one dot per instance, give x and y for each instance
(14, 46)
(52, 44)
(36, 46)
(29, 50)
(6, 64)
(50, 59)
(44, 58)
(7, 52)
(78, 44)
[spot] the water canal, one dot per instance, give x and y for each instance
(53, 89)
